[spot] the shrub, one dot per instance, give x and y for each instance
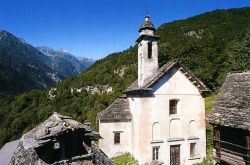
(125, 159)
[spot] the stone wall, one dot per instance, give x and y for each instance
(99, 157)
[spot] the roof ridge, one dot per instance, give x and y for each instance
(160, 72)
(239, 72)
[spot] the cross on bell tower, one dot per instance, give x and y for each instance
(147, 51)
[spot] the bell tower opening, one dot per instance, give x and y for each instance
(149, 50)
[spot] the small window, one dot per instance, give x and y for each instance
(117, 136)
(149, 50)
(192, 150)
(156, 153)
(173, 107)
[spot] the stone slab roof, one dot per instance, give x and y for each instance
(55, 125)
(45, 134)
(232, 106)
(147, 24)
(7, 152)
(118, 110)
(161, 72)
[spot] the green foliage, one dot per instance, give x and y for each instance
(208, 103)
(125, 159)
(205, 162)
(203, 43)
(210, 45)
(209, 132)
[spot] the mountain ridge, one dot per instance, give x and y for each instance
(79, 64)
(26, 60)
(25, 63)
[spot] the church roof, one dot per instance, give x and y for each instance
(118, 110)
(147, 24)
(161, 72)
(232, 105)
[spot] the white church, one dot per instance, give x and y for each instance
(161, 116)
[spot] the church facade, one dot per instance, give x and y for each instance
(161, 116)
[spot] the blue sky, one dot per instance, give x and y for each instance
(95, 28)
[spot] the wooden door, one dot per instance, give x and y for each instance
(175, 155)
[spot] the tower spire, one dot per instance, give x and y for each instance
(147, 24)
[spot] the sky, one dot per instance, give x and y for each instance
(95, 28)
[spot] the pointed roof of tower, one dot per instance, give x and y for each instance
(147, 24)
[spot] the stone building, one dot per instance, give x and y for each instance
(161, 116)
(59, 140)
(230, 117)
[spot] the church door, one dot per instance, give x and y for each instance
(175, 155)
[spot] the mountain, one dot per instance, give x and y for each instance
(210, 45)
(24, 67)
(21, 62)
(64, 62)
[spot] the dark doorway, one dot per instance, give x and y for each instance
(175, 155)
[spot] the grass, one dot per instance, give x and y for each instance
(209, 133)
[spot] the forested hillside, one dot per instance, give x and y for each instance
(210, 45)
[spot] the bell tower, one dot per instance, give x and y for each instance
(147, 51)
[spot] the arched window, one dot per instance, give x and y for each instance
(175, 130)
(192, 128)
(156, 134)
(149, 50)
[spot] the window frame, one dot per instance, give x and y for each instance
(193, 150)
(156, 132)
(173, 109)
(155, 152)
(117, 134)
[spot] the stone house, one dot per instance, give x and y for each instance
(58, 140)
(161, 116)
(230, 117)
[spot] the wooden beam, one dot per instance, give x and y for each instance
(217, 144)
(232, 144)
(231, 161)
(248, 147)
(235, 153)
(182, 70)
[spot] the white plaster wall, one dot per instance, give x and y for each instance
(146, 67)
(106, 130)
(147, 32)
(148, 110)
